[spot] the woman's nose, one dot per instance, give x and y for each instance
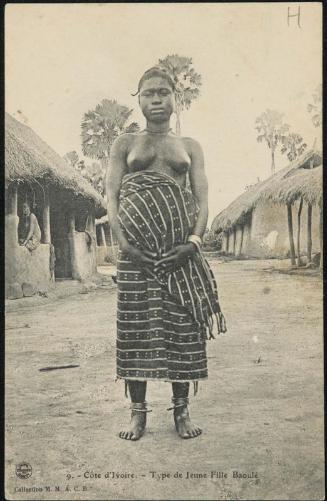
(156, 99)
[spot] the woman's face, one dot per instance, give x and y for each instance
(156, 99)
(26, 209)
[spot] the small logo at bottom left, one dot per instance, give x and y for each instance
(23, 470)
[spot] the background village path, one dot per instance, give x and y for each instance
(261, 408)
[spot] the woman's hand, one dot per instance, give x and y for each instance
(144, 257)
(175, 258)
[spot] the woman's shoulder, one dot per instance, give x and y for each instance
(125, 139)
(191, 144)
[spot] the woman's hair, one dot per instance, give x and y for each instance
(155, 71)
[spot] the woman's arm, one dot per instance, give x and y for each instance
(31, 229)
(199, 186)
(116, 170)
(178, 255)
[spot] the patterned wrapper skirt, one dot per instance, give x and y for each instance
(164, 319)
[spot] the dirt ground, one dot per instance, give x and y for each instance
(261, 408)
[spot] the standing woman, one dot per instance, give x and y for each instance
(167, 295)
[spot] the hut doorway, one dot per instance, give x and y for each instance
(59, 216)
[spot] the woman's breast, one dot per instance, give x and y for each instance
(140, 160)
(180, 164)
(173, 159)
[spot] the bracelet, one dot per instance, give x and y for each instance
(196, 240)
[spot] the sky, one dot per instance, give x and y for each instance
(61, 60)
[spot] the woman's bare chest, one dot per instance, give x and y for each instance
(158, 153)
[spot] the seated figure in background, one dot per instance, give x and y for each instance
(29, 229)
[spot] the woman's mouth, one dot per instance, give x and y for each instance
(157, 110)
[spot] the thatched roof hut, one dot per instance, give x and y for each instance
(29, 158)
(286, 186)
(303, 183)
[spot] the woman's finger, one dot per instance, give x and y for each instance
(149, 253)
(169, 268)
(171, 252)
(146, 260)
(169, 259)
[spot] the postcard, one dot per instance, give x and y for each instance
(164, 251)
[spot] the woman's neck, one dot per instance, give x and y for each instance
(158, 128)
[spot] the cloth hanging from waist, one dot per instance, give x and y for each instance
(157, 214)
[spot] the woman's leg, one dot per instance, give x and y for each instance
(184, 427)
(137, 391)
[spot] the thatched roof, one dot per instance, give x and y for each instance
(29, 158)
(304, 183)
(285, 186)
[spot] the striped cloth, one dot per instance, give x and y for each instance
(163, 319)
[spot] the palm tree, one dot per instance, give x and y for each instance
(316, 107)
(293, 145)
(94, 174)
(270, 127)
(187, 83)
(72, 158)
(101, 126)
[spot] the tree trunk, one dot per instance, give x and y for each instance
(290, 233)
(234, 243)
(46, 217)
(12, 220)
(242, 236)
(309, 234)
(90, 221)
(12, 195)
(104, 164)
(103, 236)
(321, 230)
(72, 245)
(273, 162)
(298, 239)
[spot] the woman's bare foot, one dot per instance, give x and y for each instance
(184, 427)
(138, 424)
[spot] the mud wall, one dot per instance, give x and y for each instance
(269, 232)
(83, 255)
(21, 265)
